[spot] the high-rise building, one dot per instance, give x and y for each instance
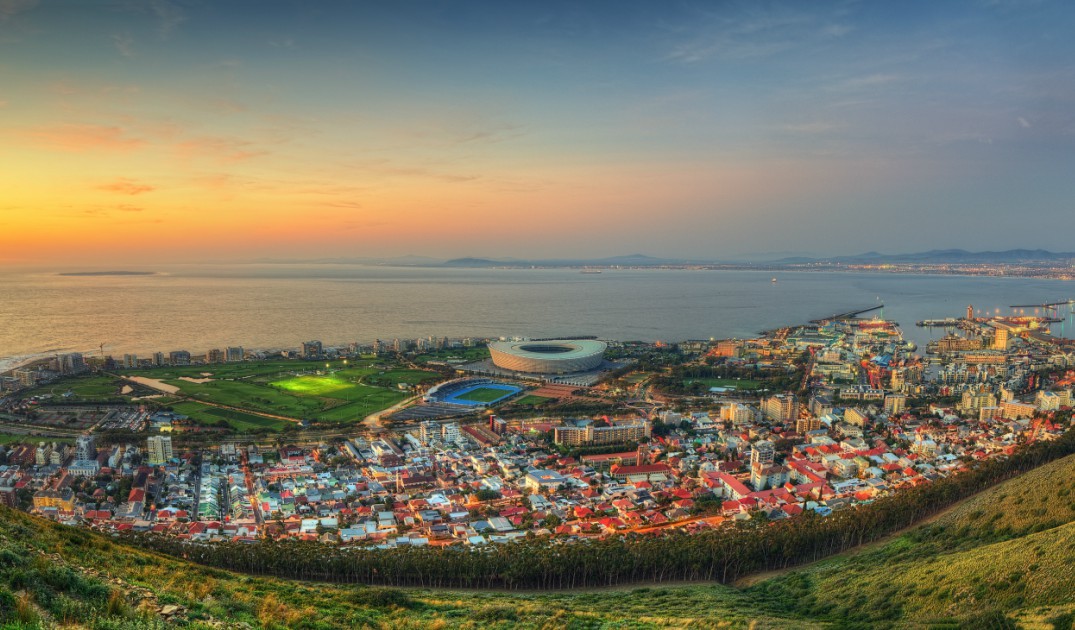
(450, 432)
(763, 470)
(70, 363)
(158, 359)
(312, 350)
(895, 403)
(427, 431)
(781, 407)
(235, 354)
(85, 448)
(179, 357)
(26, 377)
(41, 454)
(1002, 336)
(216, 355)
(130, 361)
(805, 425)
(737, 413)
(159, 449)
(762, 453)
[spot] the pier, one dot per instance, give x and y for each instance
(847, 315)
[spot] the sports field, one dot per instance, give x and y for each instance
(485, 394)
(340, 393)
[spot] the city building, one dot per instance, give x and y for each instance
(855, 416)
(179, 357)
(70, 363)
(312, 350)
(584, 433)
(234, 354)
(449, 433)
(159, 448)
(780, 407)
(895, 403)
(85, 447)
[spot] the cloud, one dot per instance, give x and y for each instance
(1023, 122)
(169, 16)
(749, 35)
(124, 186)
(836, 30)
(11, 8)
(84, 137)
(351, 205)
(124, 44)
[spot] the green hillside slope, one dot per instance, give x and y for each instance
(1008, 552)
(51, 575)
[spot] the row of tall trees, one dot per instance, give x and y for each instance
(721, 555)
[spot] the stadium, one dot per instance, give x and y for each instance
(471, 392)
(566, 356)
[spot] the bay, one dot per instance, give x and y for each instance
(262, 306)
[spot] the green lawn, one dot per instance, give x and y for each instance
(477, 353)
(12, 438)
(328, 398)
(484, 394)
(83, 388)
(238, 420)
(532, 400)
(345, 392)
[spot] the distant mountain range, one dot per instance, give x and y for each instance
(953, 256)
(631, 260)
(935, 256)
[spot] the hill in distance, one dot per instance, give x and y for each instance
(937, 256)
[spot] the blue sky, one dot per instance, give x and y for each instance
(690, 129)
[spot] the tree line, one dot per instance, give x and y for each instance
(720, 555)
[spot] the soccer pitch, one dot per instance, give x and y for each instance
(485, 394)
(315, 386)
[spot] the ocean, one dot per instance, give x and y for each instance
(262, 306)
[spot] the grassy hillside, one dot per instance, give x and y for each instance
(51, 575)
(1001, 558)
(1009, 550)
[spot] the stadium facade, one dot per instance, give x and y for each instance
(566, 356)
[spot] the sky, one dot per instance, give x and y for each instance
(172, 130)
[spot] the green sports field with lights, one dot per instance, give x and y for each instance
(315, 385)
